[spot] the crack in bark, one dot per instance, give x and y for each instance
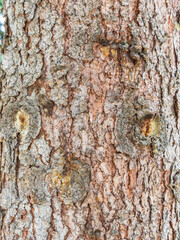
(17, 163)
(176, 60)
(2, 222)
(33, 219)
(176, 109)
(52, 223)
(1, 158)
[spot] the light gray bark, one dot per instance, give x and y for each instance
(90, 126)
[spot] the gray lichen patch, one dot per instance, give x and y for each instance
(32, 185)
(72, 183)
(150, 130)
(20, 117)
(59, 66)
(59, 95)
(58, 159)
(123, 126)
(74, 75)
(124, 143)
(32, 71)
(83, 27)
(78, 107)
(79, 104)
(137, 126)
(40, 150)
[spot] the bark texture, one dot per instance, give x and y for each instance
(90, 125)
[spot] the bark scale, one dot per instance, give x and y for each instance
(90, 120)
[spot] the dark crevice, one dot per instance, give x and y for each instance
(1, 156)
(33, 218)
(17, 163)
(176, 109)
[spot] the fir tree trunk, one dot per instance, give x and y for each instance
(90, 126)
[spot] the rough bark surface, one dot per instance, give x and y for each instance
(90, 125)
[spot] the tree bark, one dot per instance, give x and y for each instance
(90, 125)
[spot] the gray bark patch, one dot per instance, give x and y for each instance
(21, 117)
(73, 183)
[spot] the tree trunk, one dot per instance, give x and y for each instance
(90, 125)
